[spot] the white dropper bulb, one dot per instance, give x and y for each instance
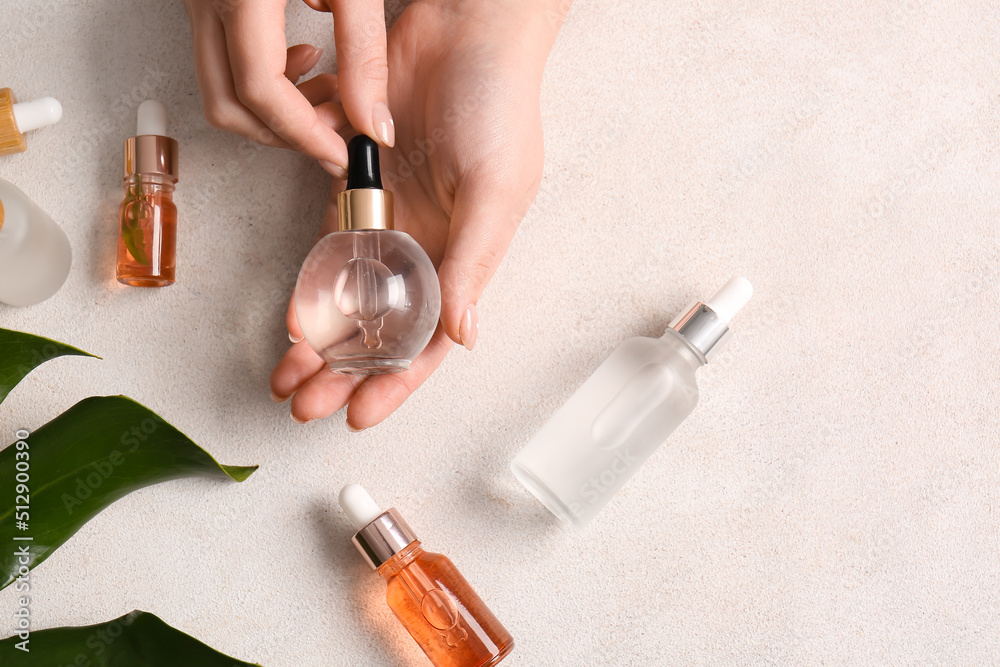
(731, 298)
(360, 507)
(37, 113)
(151, 119)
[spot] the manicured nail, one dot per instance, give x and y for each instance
(468, 331)
(334, 170)
(312, 60)
(295, 339)
(297, 420)
(385, 128)
(278, 399)
(353, 429)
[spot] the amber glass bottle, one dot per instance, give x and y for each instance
(441, 611)
(147, 218)
(425, 591)
(147, 232)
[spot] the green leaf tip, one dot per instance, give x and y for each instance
(240, 473)
(21, 353)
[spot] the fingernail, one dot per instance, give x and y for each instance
(334, 169)
(353, 429)
(295, 339)
(278, 399)
(312, 60)
(468, 331)
(384, 126)
(297, 420)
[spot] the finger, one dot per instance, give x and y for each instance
(362, 66)
(484, 220)
(318, 5)
(333, 115)
(320, 89)
(322, 92)
(377, 398)
(295, 368)
(221, 106)
(300, 60)
(292, 322)
(323, 394)
(256, 42)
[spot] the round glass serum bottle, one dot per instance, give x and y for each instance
(367, 297)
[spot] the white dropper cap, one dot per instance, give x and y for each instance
(360, 507)
(151, 119)
(37, 113)
(731, 298)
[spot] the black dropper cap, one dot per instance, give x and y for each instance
(362, 164)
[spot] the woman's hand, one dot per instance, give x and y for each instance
(246, 76)
(466, 167)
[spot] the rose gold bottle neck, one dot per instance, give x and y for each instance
(384, 537)
(151, 154)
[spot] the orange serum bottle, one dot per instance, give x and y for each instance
(147, 218)
(428, 595)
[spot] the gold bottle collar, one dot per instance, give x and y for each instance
(364, 208)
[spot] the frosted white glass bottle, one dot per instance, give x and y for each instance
(35, 254)
(615, 421)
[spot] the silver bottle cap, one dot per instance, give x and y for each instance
(383, 538)
(705, 326)
(703, 329)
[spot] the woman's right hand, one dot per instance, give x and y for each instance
(247, 76)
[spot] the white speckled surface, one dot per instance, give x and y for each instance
(834, 498)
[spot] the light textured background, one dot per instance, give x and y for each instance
(834, 498)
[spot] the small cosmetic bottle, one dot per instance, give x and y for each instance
(18, 118)
(147, 218)
(367, 298)
(432, 600)
(35, 254)
(615, 421)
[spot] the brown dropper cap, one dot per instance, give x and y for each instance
(11, 138)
